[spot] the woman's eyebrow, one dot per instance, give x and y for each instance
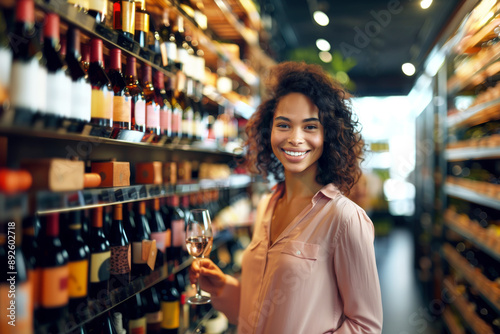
(312, 119)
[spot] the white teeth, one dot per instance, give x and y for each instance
(295, 154)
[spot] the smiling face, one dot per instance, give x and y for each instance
(297, 135)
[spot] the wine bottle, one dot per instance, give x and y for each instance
(81, 91)
(178, 231)
(31, 225)
(100, 255)
(107, 218)
(165, 106)
(170, 306)
(78, 253)
(136, 315)
(120, 251)
(124, 17)
(138, 99)
(187, 109)
(182, 45)
(99, 10)
(107, 326)
(176, 110)
(5, 59)
(118, 322)
(152, 108)
(152, 308)
(54, 273)
(17, 274)
(154, 43)
(167, 35)
(141, 23)
(28, 78)
(102, 93)
(58, 80)
(142, 232)
(85, 61)
(122, 101)
(158, 231)
(129, 220)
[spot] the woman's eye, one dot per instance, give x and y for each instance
(311, 127)
(283, 126)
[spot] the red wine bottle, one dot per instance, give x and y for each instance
(152, 308)
(176, 109)
(136, 315)
(152, 108)
(138, 100)
(178, 231)
(31, 226)
(168, 38)
(81, 91)
(165, 106)
(28, 78)
(170, 306)
(102, 93)
(122, 101)
(120, 251)
(79, 253)
(124, 17)
(141, 23)
(158, 232)
(142, 232)
(54, 273)
(58, 80)
(99, 258)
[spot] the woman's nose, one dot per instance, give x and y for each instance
(295, 138)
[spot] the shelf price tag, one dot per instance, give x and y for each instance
(149, 252)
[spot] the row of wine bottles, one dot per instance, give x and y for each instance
(62, 266)
(66, 81)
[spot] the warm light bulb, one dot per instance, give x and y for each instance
(321, 18)
(425, 4)
(326, 57)
(408, 69)
(323, 44)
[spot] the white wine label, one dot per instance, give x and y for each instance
(28, 85)
(182, 56)
(81, 95)
(171, 51)
(5, 66)
(58, 94)
(140, 112)
(153, 115)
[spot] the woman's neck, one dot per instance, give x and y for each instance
(300, 187)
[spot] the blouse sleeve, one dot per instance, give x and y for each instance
(357, 277)
(228, 301)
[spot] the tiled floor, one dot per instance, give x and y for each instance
(404, 309)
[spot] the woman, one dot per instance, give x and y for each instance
(310, 267)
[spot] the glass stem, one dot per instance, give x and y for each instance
(198, 289)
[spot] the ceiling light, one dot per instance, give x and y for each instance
(323, 44)
(326, 57)
(321, 18)
(408, 69)
(425, 4)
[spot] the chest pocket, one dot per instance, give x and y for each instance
(299, 256)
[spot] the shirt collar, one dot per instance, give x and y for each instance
(329, 190)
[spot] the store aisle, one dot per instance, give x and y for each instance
(404, 309)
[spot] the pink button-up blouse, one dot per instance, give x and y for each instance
(319, 276)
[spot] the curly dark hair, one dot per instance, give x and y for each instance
(343, 148)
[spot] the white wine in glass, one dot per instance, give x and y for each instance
(199, 240)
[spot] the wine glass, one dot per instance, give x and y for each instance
(199, 243)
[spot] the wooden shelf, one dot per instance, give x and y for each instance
(472, 196)
(474, 115)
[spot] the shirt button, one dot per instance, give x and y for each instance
(298, 252)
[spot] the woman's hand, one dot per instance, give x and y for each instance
(212, 279)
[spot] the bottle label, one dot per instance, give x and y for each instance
(140, 112)
(120, 260)
(58, 94)
(182, 56)
(23, 299)
(137, 326)
(176, 120)
(165, 119)
(187, 122)
(137, 253)
(98, 101)
(100, 6)
(178, 238)
(5, 66)
(153, 115)
(171, 50)
(28, 85)
(128, 17)
(154, 318)
(54, 287)
(122, 105)
(142, 21)
(81, 96)
(171, 314)
(161, 240)
(78, 278)
(99, 267)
